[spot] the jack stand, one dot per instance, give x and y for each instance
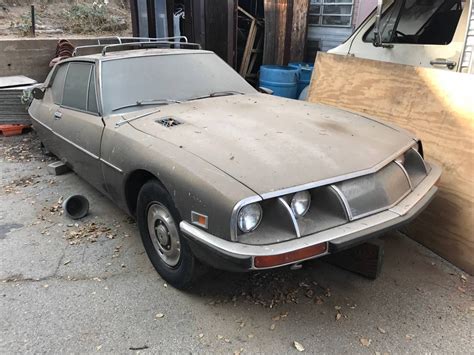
(364, 259)
(296, 266)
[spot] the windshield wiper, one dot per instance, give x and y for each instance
(149, 102)
(217, 94)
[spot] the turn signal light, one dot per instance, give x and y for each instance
(287, 258)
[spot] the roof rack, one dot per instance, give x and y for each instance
(157, 44)
(177, 41)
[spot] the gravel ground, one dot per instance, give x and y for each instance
(88, 286)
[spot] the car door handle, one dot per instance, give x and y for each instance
(58, 115)
(450, 64)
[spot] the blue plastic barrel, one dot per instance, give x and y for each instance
(281, 79)
(305, 70)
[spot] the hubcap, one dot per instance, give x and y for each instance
(163, 233)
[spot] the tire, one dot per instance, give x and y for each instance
(158, 222)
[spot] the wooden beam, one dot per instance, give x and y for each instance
(134, 16)
(288, 29)
(220, 28)
(275, 31)
(437, 105)
(248, 45)
(169, 16)
(298, 30)
(255, 53)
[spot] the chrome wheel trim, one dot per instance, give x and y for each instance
(163, 233)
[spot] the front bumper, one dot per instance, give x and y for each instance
(234, 256)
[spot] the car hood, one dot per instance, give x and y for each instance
(269, 143)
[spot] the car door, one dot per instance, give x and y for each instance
(439, 27)
(42, 111)
(78, 123)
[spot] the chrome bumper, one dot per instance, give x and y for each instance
(239, 257)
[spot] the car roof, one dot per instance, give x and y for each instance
(135, 53)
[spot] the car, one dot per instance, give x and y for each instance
(215, 171)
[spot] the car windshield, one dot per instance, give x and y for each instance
(161, 79)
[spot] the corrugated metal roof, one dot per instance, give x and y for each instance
(14, 81)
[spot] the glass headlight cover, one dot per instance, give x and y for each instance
(249, 217)
(300, 203)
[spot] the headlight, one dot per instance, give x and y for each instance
(300, 203)
(249, 217)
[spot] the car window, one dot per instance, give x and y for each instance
(173, 77)
(76, 86)
(419, 22)
(91, 98)
(58, 83)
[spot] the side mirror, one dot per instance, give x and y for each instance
(265, 90)
(37, 93)
(377, 40)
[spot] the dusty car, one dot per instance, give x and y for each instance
(215, 171)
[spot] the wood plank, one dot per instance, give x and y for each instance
(275, 31)
(298, 30)
(287, 34)
(436, 105)
(269, 44)
(219, 28)
(249, 43)
(255, 53)
(281, 31)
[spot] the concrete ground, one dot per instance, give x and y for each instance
(89, 287)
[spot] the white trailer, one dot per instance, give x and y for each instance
(426, 33)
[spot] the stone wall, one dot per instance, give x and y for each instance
(31, 57)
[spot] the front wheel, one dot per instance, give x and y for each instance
(158, 222)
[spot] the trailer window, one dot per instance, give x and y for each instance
(330, 13)
(419, 22)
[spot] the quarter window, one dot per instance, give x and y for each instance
(58, 83)
(91, 99)
(76, 86)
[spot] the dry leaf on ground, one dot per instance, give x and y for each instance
(298, 346)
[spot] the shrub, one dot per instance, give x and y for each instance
(23, 26)
(92, 17)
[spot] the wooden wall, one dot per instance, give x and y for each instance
(438, 106)
(220, 28)
(298, 30)
(285, 31)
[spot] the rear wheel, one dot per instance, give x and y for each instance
(158, 221)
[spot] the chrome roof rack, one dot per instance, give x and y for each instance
(153, 44)
(177, 41)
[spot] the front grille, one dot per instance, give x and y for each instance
(375, 192)
(340, 203)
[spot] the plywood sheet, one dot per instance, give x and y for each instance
(439, 107)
